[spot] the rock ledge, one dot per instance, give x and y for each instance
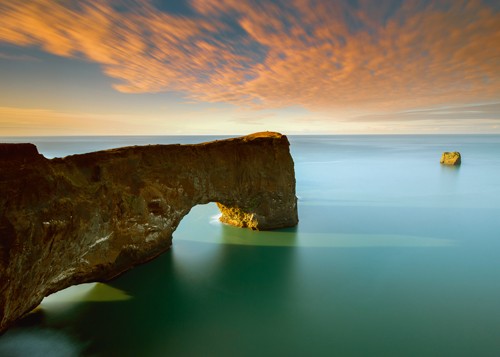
(90, 217)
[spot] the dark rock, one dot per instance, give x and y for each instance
(91, 217)
(18, 152)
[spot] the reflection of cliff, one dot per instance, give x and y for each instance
(221, 298)
(90, 217)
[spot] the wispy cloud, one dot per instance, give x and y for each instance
(316, 54)
(484, 112)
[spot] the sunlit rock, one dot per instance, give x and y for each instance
(90, 217)
(451, 158)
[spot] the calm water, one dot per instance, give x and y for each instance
(394, 255)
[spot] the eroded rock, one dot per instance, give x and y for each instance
(91, 217)
(451, 158)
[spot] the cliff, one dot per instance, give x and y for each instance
(91, 217)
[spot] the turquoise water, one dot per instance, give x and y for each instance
(394, 255)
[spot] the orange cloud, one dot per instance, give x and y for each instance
(316, 54)
(420, 58)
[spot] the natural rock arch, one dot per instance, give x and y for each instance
(91, 217)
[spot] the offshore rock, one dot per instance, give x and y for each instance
(90, 217)
(451, 158)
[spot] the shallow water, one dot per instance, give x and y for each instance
(394, 255)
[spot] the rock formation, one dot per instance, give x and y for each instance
(451, 158)
(91, 217)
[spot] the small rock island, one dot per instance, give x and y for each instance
(93, 216)
(451, 158)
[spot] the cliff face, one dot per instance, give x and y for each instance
(91, 217)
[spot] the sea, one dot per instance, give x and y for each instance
(394, 255)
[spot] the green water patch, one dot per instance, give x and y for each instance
(90, 292)
(291, 237)
(321, 227)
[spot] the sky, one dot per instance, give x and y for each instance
(180, 67)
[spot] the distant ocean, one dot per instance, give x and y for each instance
(394, 255)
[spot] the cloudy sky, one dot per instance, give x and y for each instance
(163, 67)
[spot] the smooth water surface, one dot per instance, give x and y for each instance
(394, 255)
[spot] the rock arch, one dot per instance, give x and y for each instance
(91, 217)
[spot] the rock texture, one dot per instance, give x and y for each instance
(91, 217)
(451, 158)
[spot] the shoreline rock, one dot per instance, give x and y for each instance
(93, 216)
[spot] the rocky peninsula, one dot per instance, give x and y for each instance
(93, 216)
